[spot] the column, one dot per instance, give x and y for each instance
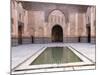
(25, 22)
(84, 38)
(92, 26)
(16, 19)
(15, 25)
(84, 24)
(76, 24)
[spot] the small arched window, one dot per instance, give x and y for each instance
(56, 16)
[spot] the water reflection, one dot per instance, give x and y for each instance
(57, 55)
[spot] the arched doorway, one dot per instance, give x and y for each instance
(57, 34)
(88, 34)
(32, 39)
(20, 34)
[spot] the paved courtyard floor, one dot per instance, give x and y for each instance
(23, 52)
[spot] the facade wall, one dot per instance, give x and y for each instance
(37, 21)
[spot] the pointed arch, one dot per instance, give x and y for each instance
(57, 33)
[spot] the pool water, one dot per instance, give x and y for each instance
(56, 55)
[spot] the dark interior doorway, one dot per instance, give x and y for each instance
(79, 39)
(32, 39)
(20, 34)
(88, 34)
(57, 34)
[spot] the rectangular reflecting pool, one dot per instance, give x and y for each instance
(56, 55)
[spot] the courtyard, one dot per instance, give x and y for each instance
(52, 37)
(22, 53)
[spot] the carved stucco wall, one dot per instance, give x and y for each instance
(39, 19)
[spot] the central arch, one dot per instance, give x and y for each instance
(57, 34)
